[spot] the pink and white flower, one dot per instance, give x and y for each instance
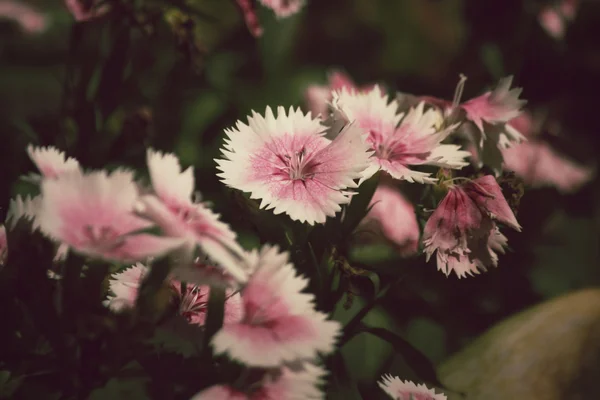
(94, 214)
(288, 163)
(52, 162)
(280, 324)
(462, 230)
(400, 140)
(393, 218)
(193, 301)
(29, 19)
(398, 389)
(84, 10)
(3, 245)
(284, 8)
(283, 384)
(174, 210)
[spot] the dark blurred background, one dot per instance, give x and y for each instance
(176, 89)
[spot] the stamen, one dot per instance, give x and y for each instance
(458, 92)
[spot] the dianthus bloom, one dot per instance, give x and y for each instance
(52, 162)
(283, 8)
(193, 302)
(288, 163)
(280, 323)
(173, 208)
(463, 230)
(539, 165)
(400, 140)
(281, 384)
(94, 214)
(84, 10)
(392, 217)
(398, 389)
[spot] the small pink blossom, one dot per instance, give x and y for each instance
(84, 10)
(400, 141)
(288, 163)
(398, 389)
(393, 218)
(284, 8)
(192, 303)
(462, 229)
(280, 324)
(3, 245)
(94, 214)
(283, 384)
(52, 162)
(179, 215)
(250, 17)
(29, 19)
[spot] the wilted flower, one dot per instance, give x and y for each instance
(398, 389)
(462, 229)
(283, 384)
(3, 245)
(29, 19)
(399, 140)
(193, 301)
(392, 217)
(284, 8)
(52, 162)
(94, 214)
(280, 323)
(83, 10)
(175, 211)
(286, 162)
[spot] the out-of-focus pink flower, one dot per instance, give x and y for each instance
(283, 384)
(539, 165)
(399, 140)
(250, 17)
(569, 8)
(94, 214)
(288, 163)
(284, 8)
(280, 324)
(3, 245)
(398, 389)
(318, 96)
(192, 303)
(552, 21)
(28, 18)
(174, 210)
(462, 229)
(52, 162)
(393, 218)
(84, 10)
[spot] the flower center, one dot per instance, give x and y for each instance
(104, 237)
(298, 166)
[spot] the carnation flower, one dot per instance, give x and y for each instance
(283, 384)
(280, 324)
(288, 163)
(29, 19)
(463, 231)
(318, 96)
(283, 8)
(400, 140)
(3, 245)
(173, 209)
(94, 215)
(52, 162)
(84, 10)
(398, 389)
(193, 301)
(392, 217)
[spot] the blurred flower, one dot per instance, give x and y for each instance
(554, 18)
(94, 215)
(173, 209)
(283, 384)
(399, 140)
(462, 228)
(318, 96)
(250, 17)
(192, 302)
(28, 18)
(398, 389)
(84, 10)
(284, 8)
(3, 245)
(280, 324)
(23, 208)
(286, 162)
(393, 218)
(52, 162)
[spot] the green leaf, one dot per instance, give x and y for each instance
(215, 313)
(341, 385)
(121, 389)
(359, 205)
(177, 336)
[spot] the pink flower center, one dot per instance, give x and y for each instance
(386, 148)
(192, 302)
(103, 238)
(298, 166)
